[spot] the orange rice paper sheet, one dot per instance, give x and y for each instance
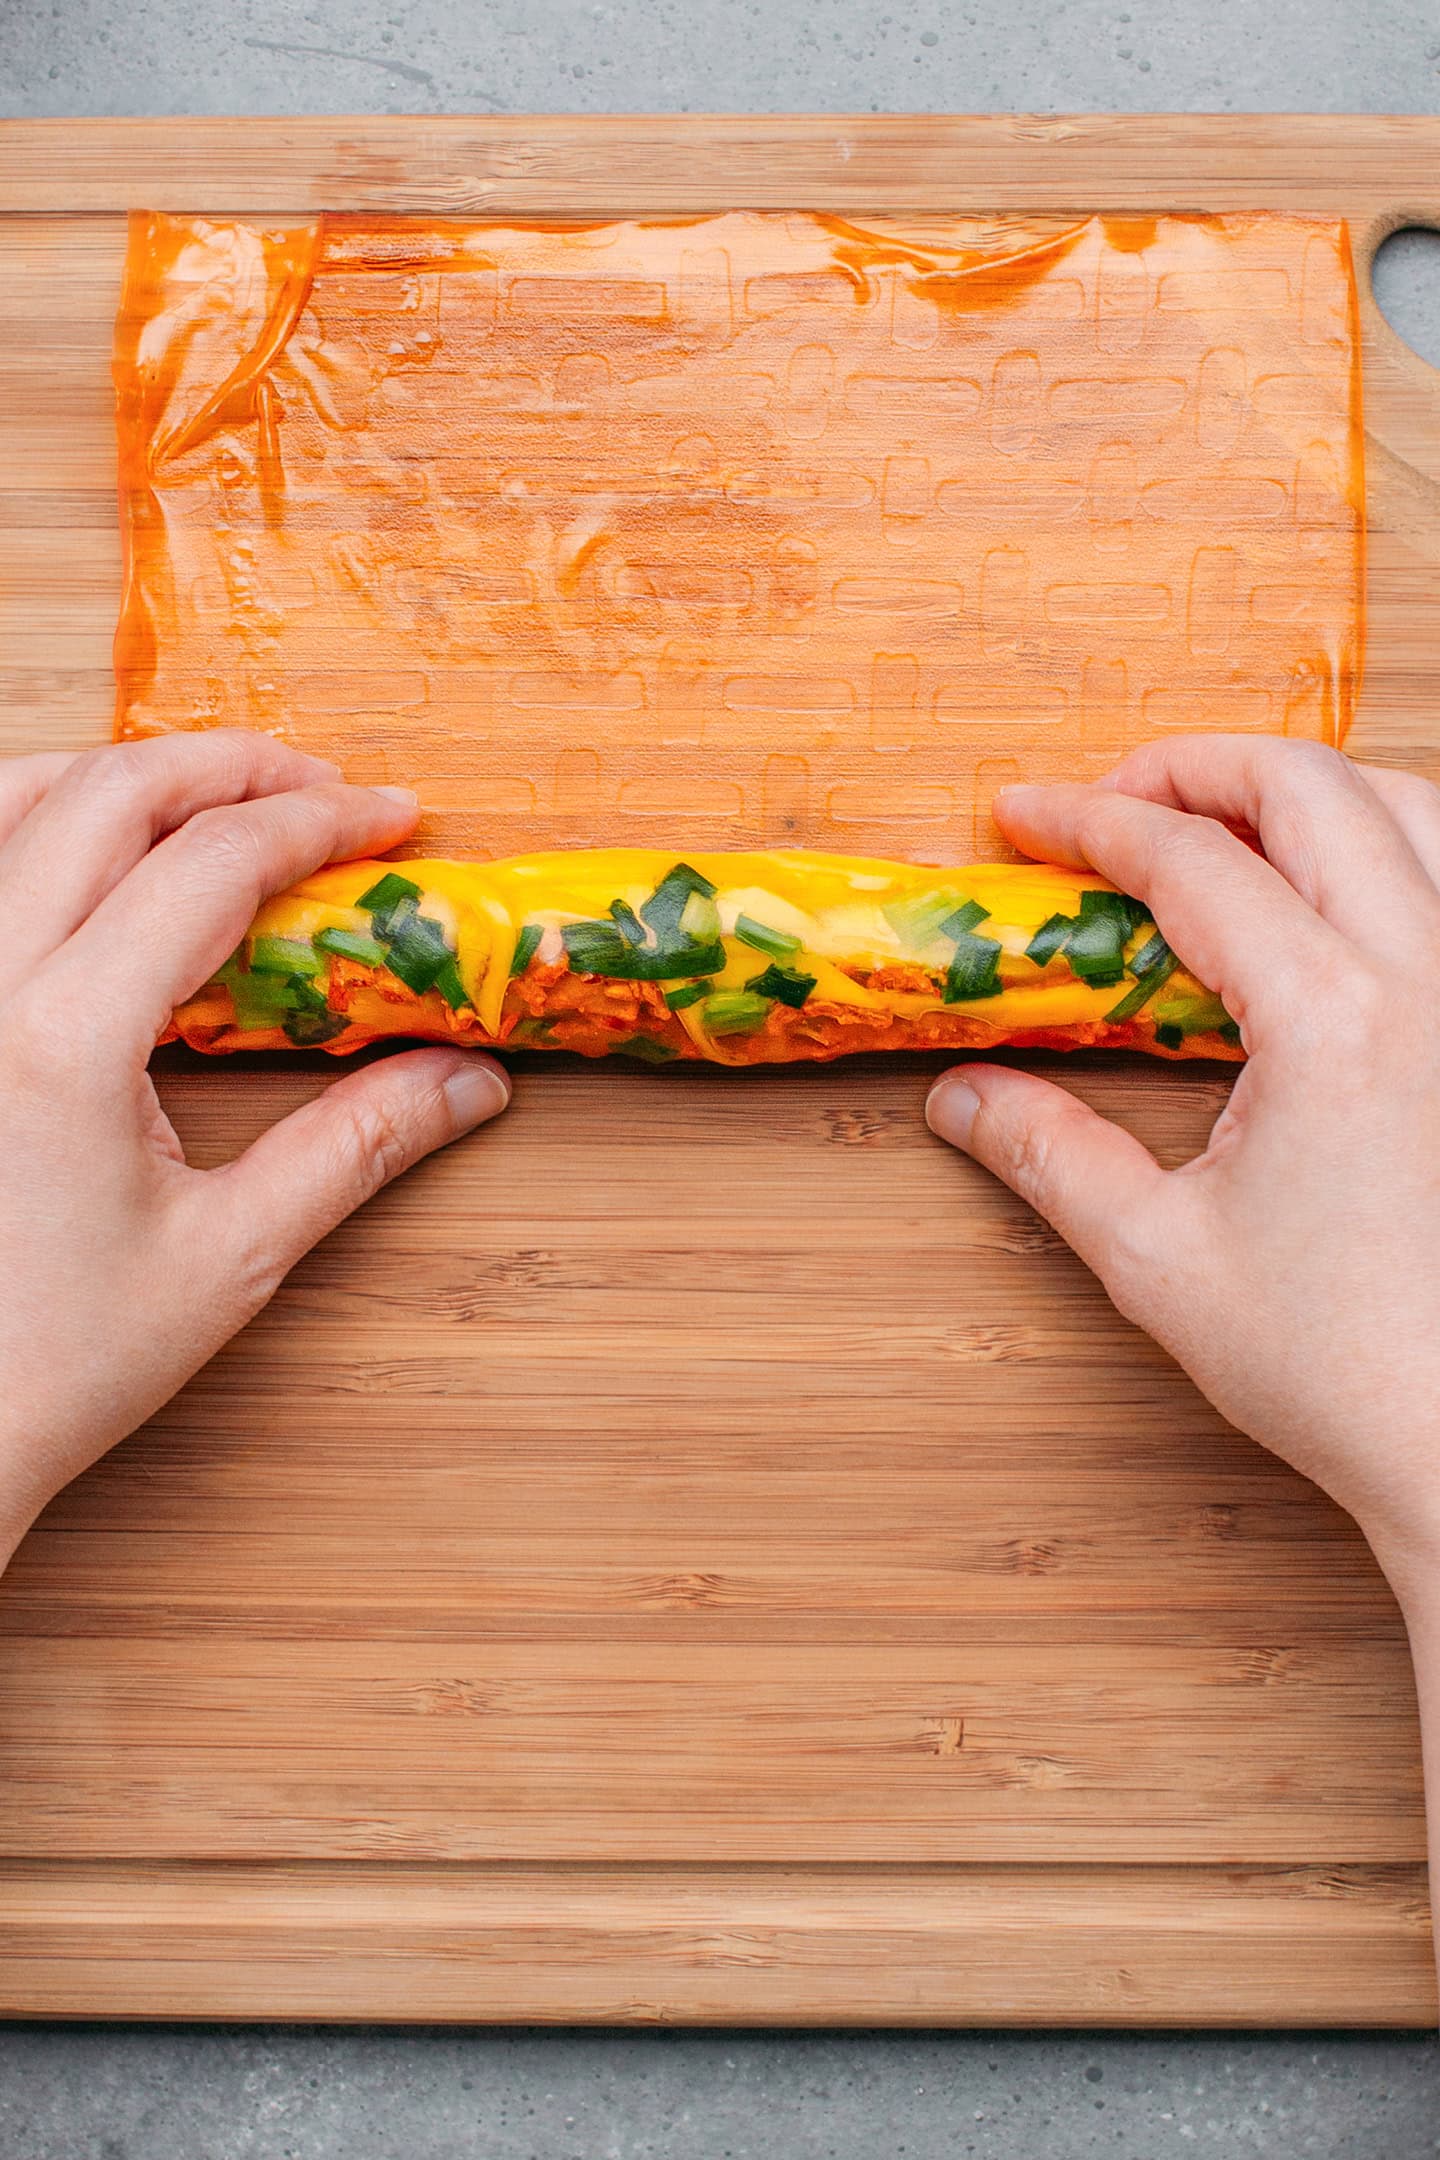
(754, 529)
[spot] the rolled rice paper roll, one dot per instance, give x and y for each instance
(739, 959)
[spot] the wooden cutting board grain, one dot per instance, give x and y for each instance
(702, 1551)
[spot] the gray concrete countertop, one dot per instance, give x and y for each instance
(141, 2093)
(137, 2093)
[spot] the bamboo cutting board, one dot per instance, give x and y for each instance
(701, 1551)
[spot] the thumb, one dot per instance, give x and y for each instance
(297, 1181)
(1095, 1183)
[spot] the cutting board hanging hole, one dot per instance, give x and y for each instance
(1406, 277)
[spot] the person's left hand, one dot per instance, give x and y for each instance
(127, 877)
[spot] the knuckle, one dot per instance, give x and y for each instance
(1313, 761)
(1296, 839)
(1345, 1020)
(1183, 852)
(256, 1264)
(1413, 790)
(1363, 1009)
(1023, 1153)
(236, 756)
(1162, 845)
(128, 773)
(378, 1143)
(225, 842)
(251, 849)
(1110, 827)
(25, 1042)
(40, 1055)
(1301, 773)
(120, 773)
(153, 772)
(316, 813)
(1101, 813)
(1133, 1252)
(1207, 835)
(233, 742)
(1304, 785)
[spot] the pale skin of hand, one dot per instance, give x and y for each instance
(127, 876)
(1292, 1269)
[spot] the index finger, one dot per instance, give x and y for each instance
(1233, 920)
(1329, 834)
(99, 816)
(181, 912)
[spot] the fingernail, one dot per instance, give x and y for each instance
(1016, 787)
(950, 1109)
(476, 1092)
(398, 794)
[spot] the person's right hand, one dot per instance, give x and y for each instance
(1293, 1268)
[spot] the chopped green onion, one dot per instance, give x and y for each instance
(975, 970)
(263, 1001)
(235, 965)
(646, 1047)
(451, 988)
(734, 1012)
(700, 919)
(598, 948)
(630, 926)
(351, 945)
(1049, 939)
(777, 943)
(787, 985)
(975, 962)
(676, 933)
(968, 917)
(1136, 1000)
(526, 947)
(1150, 955)
(417, 949)
(388, 892)
(284, 956)
(1093, 940)
(681, 880)
(290, 1003)
(1194, 1013)
(313, 1025)
(917, 919)
(687, 994)
(1095, 947)
(668, 912)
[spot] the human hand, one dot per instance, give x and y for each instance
(1293, 1268)
(127, 876)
